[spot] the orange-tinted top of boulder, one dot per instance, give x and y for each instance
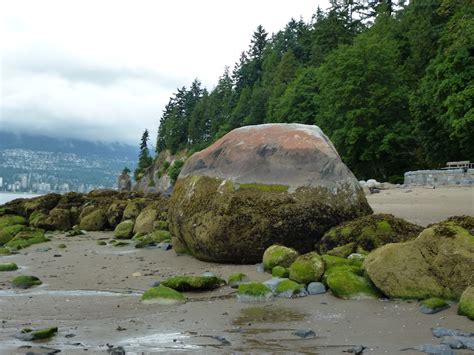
(293, 155)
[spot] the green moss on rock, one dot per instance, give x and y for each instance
(162, 295)
(307, 268)
(96, 220)
(179, 247)
(8, 233)
(466, 303)
(193, 283)
(254, 289)
(8, 267)
(124, 230)
(280, 271)
(27, 237)
(368, 232)
(101, 242)
(289, 287)
(434, 303)
(40, 334)
(25, 281)
(264, 187)
(236, 279)
(152, 239)
(347, 282)
(4, 251)
(145, 220)
(160, 225)
(278, 255)
(438, 263)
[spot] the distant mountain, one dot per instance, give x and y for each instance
(42, 164)
(66, 145)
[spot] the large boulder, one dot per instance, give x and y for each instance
(438, 263)
(366, 234)
(262, 185)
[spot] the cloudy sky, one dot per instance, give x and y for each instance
(103, 70)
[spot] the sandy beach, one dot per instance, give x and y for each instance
(92, 294)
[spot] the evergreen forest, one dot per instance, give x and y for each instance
(390, 82)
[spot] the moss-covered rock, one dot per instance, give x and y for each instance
(278, 255)
(145, 220)
(349, 282)
(289, 289)
(152, 239)
(10, 220)
(62, 246)
(115, 212)
(162, 295)
(438, 263)
(179, 247)
(331, 261)
(307, 268)
(95, 220)
(124, 230)
(133, 208)
(27, 237)
(368, 233)
(161, 225)
(8, 267)
(433, 305)
(25, 281)
(9, 232)
(4, 251)
(280, 271)
(101, 242)
(43, 203)
(39, 334)
(253, 292)
(193, 283)
(56, 219)
(236, 279)
(466, 303)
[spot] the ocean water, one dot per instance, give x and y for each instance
(9, 196)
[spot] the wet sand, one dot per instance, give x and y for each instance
(92, 293)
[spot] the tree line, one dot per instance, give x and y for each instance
(391, 83)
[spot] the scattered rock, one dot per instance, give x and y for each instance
(254, 292)
(236, 279)
(192, 283)
(278, 255)
(316, 288)
(243, 194)
(290, 289)
(162, 295)
(280, 271)
(357, 350)
(439, 332)
(305, 333)
(25, 281)
(31, 335)
(116, 350)
(466, 303)
(145, 220)
(434, 349)
(124, 230)
(8, 267)
(433, 305)
(307, 268)
(95, 220)
(27, 237)
(459, 342)
(367, 233)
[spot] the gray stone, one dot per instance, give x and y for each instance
(452, 342)
(316, 288)
(443, 332)
(451, 177)
(435, 349)
(305, 333)
(272, 284)
(428, 310)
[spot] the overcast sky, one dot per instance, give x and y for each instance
(103, 70)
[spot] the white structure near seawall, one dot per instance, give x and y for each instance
(445, 177)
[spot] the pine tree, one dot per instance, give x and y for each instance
(144, 158)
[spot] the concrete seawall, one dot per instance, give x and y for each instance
(451, 177)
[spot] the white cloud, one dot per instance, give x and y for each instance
(104, 70)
